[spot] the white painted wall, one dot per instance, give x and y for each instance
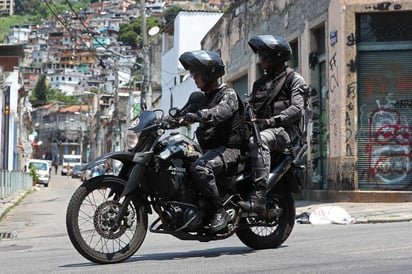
(13, 81)
(189, 29)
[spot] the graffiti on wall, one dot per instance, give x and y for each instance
(341, 173)
(333, 73)
(334, 109)
(351, 91)
(384, 6)
(386, 126)
(388, 147)
(319, 130)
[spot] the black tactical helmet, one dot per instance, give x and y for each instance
(207, 63)
(274, 47)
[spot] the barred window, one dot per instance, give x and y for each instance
(385, 27)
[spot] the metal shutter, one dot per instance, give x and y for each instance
(385, 119)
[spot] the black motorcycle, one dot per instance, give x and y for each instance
(107, 216)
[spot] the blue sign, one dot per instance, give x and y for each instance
(333, 36)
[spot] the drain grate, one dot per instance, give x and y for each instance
(8, 235)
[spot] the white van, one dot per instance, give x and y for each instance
(43, 169)
(69, 161)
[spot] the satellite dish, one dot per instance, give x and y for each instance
(154, 30)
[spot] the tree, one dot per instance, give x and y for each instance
(128, 34)
(43, 94)
(131, 34)
(25, 6)
(171, 12)
(40, 9)
(54, 95)
(39, 91)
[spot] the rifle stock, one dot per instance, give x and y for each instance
(255, 129)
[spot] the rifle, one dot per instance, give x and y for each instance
(255, 129)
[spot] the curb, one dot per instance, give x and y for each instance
(356, 196)
(363, 213)
(10, 201)
(380, 221)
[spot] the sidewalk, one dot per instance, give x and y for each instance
(362, 212)
(9, 202)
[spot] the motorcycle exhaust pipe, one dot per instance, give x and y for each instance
(278, 171)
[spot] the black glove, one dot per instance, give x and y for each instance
(169, 121)
(272, 122)
(262, 124)
(203, 114)
(191, 117)
(275, 121)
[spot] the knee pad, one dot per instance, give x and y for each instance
(283, 137)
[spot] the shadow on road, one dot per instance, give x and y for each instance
(205, 253)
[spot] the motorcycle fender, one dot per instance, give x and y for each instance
(141, 159)
(123, 184)
(122, 156)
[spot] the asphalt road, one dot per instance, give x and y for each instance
(42, 246)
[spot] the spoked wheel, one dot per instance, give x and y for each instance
(90, 216)
(272, 229)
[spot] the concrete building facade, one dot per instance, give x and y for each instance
(7, 7)
(185, 34)
(356, 55)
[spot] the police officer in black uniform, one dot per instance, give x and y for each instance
(277, 99)
(220, 128)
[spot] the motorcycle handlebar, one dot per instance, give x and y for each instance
(172, 123)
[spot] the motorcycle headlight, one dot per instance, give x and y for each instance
(132, 138)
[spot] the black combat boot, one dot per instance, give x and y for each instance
(219, 221)
(256, 202)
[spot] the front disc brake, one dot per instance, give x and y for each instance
(104, 219)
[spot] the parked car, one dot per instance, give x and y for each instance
(77, 171)
(43, 169)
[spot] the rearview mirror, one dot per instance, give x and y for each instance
(195, 101)
(196, 97)
(174, 112)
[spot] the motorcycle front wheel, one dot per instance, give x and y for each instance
(90, 215)
(272, 230)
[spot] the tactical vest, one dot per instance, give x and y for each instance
(229, 133)
(265, 105)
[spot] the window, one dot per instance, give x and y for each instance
(240, 85)
(320, 39)
(384, 27)
(294, 60)
(319, 105)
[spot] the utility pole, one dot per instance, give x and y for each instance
(116, 105)
(146, 94)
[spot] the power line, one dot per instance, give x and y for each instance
(84, 25)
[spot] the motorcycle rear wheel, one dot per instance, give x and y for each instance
(90, 214)
(272, 233)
